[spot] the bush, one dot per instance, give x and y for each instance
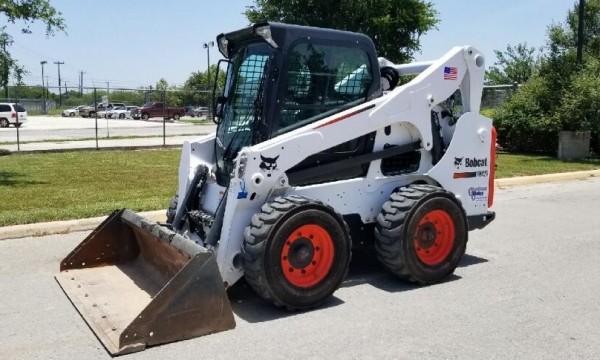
(525, 123)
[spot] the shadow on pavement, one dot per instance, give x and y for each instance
(364, 269)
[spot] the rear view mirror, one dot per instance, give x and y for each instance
(219, 107)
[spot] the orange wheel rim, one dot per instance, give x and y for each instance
(434, 237)
(307, 256)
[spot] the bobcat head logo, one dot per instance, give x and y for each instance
(458, 161)
(268, 165)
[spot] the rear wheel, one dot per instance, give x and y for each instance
(421, 234)
(296, 252)
(4, 123)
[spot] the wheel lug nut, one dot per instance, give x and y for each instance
(291, 269)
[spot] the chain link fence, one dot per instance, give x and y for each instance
(94, 117)
(496, 95)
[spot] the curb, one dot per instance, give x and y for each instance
(537, 179)
(65, 227)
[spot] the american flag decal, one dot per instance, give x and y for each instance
(450, 73)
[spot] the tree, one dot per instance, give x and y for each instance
(394, 25)
(27, 12)
(561, 94)
(515, 65)
(562, 37)
(196, 86)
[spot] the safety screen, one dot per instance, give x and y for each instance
(243, 91)
(248, 83)
(321, 79)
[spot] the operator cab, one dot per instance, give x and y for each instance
(281, 77)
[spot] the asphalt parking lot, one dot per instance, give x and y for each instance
(525, 290)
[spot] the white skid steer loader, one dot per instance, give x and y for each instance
(319, 151)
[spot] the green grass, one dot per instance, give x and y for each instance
(511, 165)
(101, 138)
(69, 185)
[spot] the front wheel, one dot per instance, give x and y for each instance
(121, 116)
(4, 123)
(421, 234)
(145, 116)
(72, 114)
(176, 117)
(296, 252)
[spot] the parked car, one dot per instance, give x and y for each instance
(136, 113)
(157, 109)
(90, 111)
(12, 114)
(202, 111)
(120, 112)
(130, 110)
(72, 112)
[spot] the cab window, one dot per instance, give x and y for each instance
(321, 80)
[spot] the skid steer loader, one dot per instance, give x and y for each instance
(319, 151)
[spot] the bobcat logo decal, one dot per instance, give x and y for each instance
(268, 165)
(458, 162)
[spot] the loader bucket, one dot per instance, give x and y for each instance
(139, 284)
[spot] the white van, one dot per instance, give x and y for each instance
(12, 114)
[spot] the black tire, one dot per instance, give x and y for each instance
(72, 114)
(145, 116)
(319, 270)
(176, 117)
(172, 210)
(121, 116)
(421, 234)
(4, 123)
(92, 114)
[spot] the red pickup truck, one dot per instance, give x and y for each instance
(157, 109)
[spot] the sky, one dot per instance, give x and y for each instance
(135, 43)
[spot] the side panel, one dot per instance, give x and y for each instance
(194, 153)
(465, 169)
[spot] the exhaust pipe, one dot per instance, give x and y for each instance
(139, 284)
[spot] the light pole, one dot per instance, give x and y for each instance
(59, 83)
(207, 46)
(580, 32)
(43, 89)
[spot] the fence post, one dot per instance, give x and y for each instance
(96, 115)
(18, 136)
(164, 118)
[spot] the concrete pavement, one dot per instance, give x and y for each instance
(63, 227)
(524, 290)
